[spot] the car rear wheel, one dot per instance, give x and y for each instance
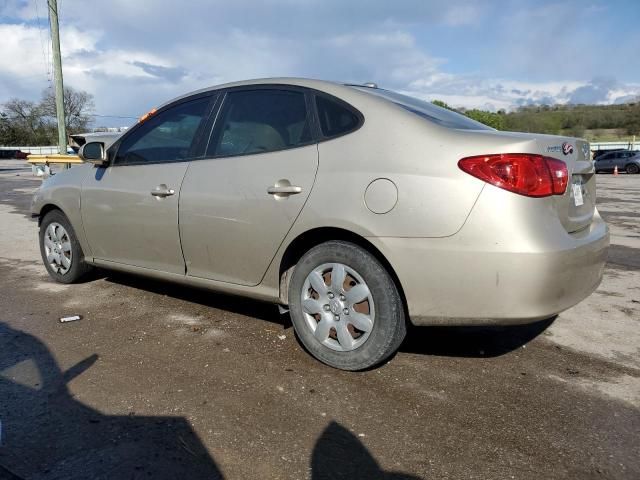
(60, 250)
(345, 306)
(632, 169)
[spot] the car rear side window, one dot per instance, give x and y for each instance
(165, 137)
(335, 118)
(259, 121)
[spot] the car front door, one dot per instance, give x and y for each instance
(605, 162)
(130, 208)
(238, 203)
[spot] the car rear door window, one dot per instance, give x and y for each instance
(335, 119)
(165, 137)
(259, 121)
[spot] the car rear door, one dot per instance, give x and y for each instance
(622, 160)
(130, 208)
(238, 203)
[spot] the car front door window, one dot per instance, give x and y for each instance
(165, 137)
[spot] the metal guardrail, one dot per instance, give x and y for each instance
(615, 145)
(44, 150)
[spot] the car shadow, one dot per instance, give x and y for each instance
(231, 303)
(472, 341)
(48, 434)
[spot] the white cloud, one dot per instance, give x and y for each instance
(23, 50)
(138, 56)
(23, 10)
(459, 15)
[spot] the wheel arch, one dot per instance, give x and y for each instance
(311, 238)
(49, 207)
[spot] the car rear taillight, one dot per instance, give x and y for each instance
(523, 173)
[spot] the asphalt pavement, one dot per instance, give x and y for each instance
(162, 381)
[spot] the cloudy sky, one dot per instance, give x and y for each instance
(135, 54)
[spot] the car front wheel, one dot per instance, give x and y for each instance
(632, 169)
(60, 250)
(345, 307)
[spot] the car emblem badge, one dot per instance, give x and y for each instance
(335, 307)
(567, 148)
(586, 151)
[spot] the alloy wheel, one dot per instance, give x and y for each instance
(338, 306)
(57, 247)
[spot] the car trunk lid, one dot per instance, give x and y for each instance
(576, 207)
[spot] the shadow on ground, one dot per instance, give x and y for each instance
(338, 454)
(47, 434)
(480, 341)
(240, 305)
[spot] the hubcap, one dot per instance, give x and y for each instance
(338, 306)
(57, 248)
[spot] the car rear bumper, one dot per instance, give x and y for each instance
(468, 280)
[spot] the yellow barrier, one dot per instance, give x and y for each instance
(53, 158)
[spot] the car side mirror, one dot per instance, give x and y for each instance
(93, 152)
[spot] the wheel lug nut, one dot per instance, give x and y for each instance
(326, 308)
(346, 311)
(342, 298)
(336, 318)
(331, 295)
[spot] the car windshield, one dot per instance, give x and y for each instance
(427, 110)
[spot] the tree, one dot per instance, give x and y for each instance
(494, 120)
(23, 122)
(440, 103)
(78, 106)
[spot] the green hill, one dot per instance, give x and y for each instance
(594, 122)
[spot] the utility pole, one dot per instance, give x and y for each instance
(57, 69)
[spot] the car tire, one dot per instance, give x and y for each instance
(331, 321)
(632, 169)
(61, 252)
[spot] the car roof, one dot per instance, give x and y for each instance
(335, 88)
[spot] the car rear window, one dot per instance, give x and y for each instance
(335, 118)
(427, 110)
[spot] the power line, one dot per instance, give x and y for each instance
(111, 116)
(45, 52)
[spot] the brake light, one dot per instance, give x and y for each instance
(522, 173)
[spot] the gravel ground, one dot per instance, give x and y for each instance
(161, 381)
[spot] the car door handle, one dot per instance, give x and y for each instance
(284, 190)
(162, 191)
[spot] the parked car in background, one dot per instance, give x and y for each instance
(598, 153)
(358, 208)
(626, 161)
(13, 153)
